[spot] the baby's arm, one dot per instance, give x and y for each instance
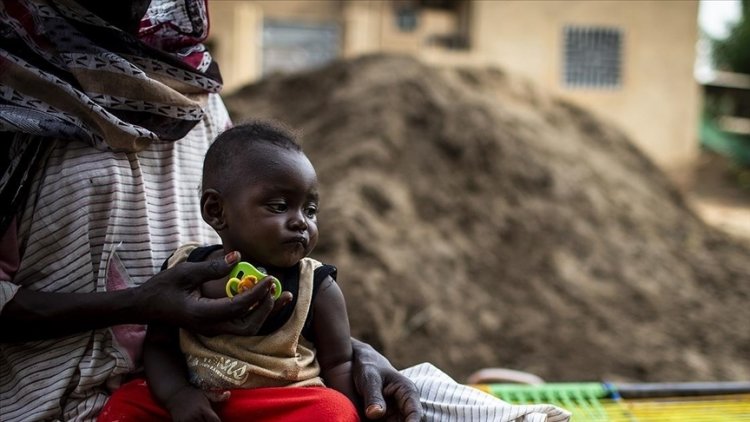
(333, 341)
(166, 373)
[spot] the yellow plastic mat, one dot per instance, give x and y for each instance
(603, 402)
(731, 407)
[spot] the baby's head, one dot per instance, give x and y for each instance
(260, 194)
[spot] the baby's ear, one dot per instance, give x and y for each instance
(212, 209)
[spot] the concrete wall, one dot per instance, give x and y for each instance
(657, 102)
(234, 37)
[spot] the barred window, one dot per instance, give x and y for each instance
(406, 19)
(592, 57)
(290, 46)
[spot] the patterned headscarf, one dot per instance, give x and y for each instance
(67, 74)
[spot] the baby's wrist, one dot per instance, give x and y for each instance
(180, 396)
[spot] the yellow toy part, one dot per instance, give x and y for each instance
(245, 276)
(231, 286)
(247, 283)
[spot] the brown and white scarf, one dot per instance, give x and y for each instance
(66, 74)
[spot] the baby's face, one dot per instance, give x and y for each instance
(272, 216)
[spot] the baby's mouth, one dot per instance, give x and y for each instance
(301, 240)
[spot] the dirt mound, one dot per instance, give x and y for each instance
(477, 222)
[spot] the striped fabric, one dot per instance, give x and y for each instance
(444, 400)
(90, 208)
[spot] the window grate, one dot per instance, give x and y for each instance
(592, 57)
(290, 46)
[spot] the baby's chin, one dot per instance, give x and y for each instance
(286, 262)
(288, 259)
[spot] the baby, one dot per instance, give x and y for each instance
(260, 194)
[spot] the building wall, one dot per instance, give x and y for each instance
(657, 102)
(233, 39)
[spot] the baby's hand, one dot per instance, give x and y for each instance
(191, 405)
(216, 396)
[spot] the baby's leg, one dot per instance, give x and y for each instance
(133, 402)
(288, 404)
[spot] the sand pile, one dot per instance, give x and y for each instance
(477, 222)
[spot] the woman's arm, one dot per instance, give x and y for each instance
(170, 297)
(33, 315)
(333, 340)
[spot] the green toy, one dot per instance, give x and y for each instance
(244, 277)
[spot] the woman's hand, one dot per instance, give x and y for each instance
(173, 297)
(386, 393)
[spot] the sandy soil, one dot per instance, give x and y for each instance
(478, 222)
(717, 194)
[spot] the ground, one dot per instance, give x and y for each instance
(715, 190)
(476, 222)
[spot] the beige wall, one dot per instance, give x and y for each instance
(657, 103)
(233, 37)
(371, 27)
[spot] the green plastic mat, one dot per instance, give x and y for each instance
(720, 402)
(587, 401)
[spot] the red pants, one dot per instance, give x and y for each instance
(133, 402)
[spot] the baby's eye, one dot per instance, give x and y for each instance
(311, 211)
(278, 207)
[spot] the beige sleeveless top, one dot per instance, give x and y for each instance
(279, 359)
